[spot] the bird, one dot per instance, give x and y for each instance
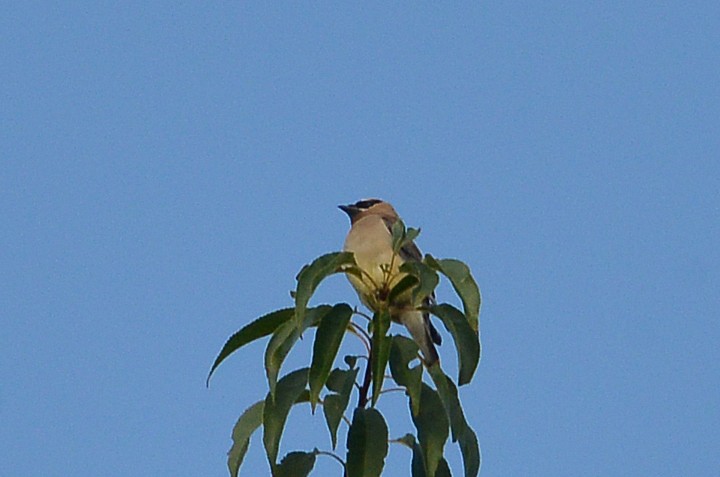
(370, 240)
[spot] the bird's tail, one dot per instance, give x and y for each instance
(422, 332)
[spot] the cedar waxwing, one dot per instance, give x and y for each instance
(370, 240)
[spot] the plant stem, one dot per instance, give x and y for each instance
(365, 388)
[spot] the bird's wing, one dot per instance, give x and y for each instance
(409, 252)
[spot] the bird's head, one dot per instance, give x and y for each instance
(366, 207)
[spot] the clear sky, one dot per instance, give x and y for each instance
(166, 170)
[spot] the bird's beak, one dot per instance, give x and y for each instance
(351, 210)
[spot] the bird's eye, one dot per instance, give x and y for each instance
(366, 204)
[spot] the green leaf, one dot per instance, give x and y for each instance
(284, 338)
(334, 405)
(249, 421)
(464, 284)
(427, 279)
(277, 350)
(311, 275)
(411, 235)
(443, 469)
(461, 430)
(367, 444)
(350, 360)
(417, 467)
(432, 426)
(330, 333)
(289, 390)
(296, 464)
(398, 235)
(406, 283)
(380, 352)
(467, 343)
(402, 352)
(259, 328)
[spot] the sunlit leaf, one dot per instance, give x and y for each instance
(461, 430)
(367, 444)
(311, 275)
(467, 343)
(296, 464)
(328, 337)
(289, 389)
(249, 421)
(259, 328)
(380, 352)
(402, 352)
(334, 404)
(431, 423)
(284, 338)
(464, 284)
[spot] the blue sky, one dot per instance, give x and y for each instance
(168, 168)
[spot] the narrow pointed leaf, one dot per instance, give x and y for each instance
(259, 328)
(296, 464)
(380, 352)
(289, 389)
(398, 235)
(334, 404)
(461, 430)
(432, 426)
(402, 352)
(311, 275)
(277, 350)
(427, 278)
(367, 444)
(284, 338)
(466, 340)
(330, 333)
(464, 284)
(249, 421)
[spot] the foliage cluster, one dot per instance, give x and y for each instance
(436, 412)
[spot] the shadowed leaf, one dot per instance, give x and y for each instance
(464, 284)
(461, 430)
(406, 283)
(427, 279)
(466, 341)
(259, 328)
(289, 391)
(402, 352)
(367, 444)
(411, 235)
(334, 405)
(249, 421)
(311, 275)
(296, 464)
(432, 426)
(330, 333)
